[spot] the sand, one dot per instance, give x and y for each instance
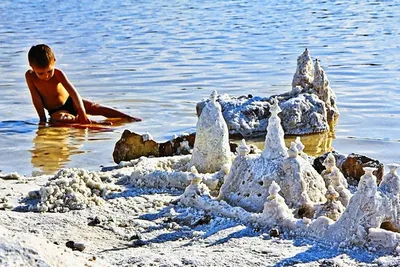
(149, 227)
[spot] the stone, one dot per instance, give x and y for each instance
(248, 117)
(274, 232)
(352, 167)
(132, 146)
(309, 107)
(318, 162)
(75, 245)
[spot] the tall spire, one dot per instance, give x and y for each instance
(274, 141)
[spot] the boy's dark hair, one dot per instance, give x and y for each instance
(41, 56)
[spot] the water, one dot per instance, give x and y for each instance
(157, 59)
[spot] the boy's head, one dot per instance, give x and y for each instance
(41, 59)
(41, 56)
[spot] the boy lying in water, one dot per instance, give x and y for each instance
(50, 89)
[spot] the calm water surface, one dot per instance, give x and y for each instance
(157, 59)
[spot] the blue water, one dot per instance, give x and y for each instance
(157, 59)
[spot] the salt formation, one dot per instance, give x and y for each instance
(304, 74)
(332, 208)
(390, 182)
(196, 188)
(319, 202)
(359, 225)
(211, 147)
(168, 172)
(276, 213)
(71, 189)
(250, 175)
(390, 186)
(325, 93)
(309, 107)
(313, 79)
(367, 209)
(274, 142)
(333, 177)
(300, 147)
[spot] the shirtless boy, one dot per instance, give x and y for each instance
(51, 90)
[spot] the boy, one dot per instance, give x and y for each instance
(50, 89)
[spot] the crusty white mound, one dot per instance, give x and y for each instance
(72, 189)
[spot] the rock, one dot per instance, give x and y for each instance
(75, 245)
(248, 117)
(135, 236)
(132, 146)
(10, 176)
(274, 232)
(94, 222)
(79, 246)
(139, 243)
(352, 167)
(310, 107)
(318, 161)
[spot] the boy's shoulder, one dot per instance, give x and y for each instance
(58, 72)
(30, 74)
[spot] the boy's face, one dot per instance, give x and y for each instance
(44, 74)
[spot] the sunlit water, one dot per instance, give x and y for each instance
(157, 59)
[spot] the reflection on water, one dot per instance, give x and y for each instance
(53, 147)
(315, 144)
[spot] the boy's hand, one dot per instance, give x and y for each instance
(83, 119)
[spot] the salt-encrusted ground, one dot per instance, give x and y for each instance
(145, 227)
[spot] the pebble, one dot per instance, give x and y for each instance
(94, 222)
(75, 245)
(274, 232)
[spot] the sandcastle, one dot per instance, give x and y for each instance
(211, 148)
(280, 189)
(276, 188)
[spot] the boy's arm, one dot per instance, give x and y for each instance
(82, 117)
(36, 99)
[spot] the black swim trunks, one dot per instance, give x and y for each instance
(68, 106)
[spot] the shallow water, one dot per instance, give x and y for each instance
(157, 59)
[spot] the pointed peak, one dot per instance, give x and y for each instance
(214, 96)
